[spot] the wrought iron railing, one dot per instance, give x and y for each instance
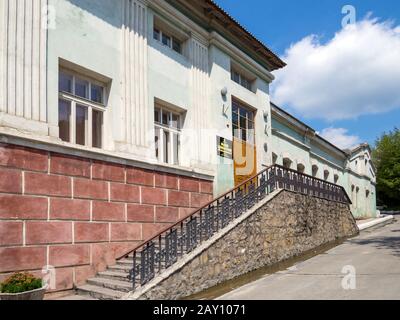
(167, 247)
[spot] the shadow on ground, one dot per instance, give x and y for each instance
(383, 242)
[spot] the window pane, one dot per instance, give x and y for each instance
(176, 45)
(165, 116)
(81, 116)
(243, 112)
(234, 108)
(250, 131)
(166, 146)
(64, 116)
(175, 121)
(236, 132)
(246, 83)
(176, 147)
(243, 123)
(81, 88)
(157, 142)
(235, 119)
(157, 115)
(166, 40)
(244, 135)
(251, 116)
(250, 136)
(156, 34)
(65, 83)
(97, 93)
(235, 77)
(250, 124)
(97, 123)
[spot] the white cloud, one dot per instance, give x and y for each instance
(340, 138)
(355, 73)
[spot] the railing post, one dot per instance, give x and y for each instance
(160, 252)
(133, 272)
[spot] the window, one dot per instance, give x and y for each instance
(167, 135)
(243, 122)
(301, 168)
(336, 178)
(314, 171)
(241, 79)
(81, 107)
(274, 158)
(287, 163)
(326, 175)
(167, 40)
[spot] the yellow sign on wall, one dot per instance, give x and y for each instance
(224, 148)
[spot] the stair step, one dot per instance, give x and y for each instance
(100, 293)
(121, 268)
(125, 262)
(120, 276)
(113, 284)
(76, 298)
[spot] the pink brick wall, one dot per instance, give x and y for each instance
(78, 214)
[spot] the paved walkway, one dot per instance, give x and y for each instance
(374, 256)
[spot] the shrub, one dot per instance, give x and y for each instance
(20, 282)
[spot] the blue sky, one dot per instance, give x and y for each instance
(280, 24)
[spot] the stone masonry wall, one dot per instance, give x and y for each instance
(287, 226)
(79, 215)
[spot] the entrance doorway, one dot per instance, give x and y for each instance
(244, 149)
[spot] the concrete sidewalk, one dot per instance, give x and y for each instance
(374, 256)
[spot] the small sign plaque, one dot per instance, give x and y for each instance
(224, 148)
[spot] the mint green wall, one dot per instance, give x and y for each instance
(88, 34)
(220, 76)
(285, 129)
(289, 143)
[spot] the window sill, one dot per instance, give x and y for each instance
(162, 47)
(243, 88)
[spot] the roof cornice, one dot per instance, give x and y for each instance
(216, 19)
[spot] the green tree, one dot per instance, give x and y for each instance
(386, 157)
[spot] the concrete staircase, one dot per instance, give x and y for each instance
(166, 248)
(111, 284)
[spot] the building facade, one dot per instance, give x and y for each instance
(299, 147)
(117, 118)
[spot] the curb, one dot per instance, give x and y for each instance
(375, 222)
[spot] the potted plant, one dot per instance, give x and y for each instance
(22, 286)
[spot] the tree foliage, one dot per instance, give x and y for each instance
(386, 157)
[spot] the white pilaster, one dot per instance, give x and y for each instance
(135, 87)
(23, 55)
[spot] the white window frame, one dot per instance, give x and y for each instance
(250, 133)
(172, 39)
(241, 79)
(90, 105)
(172, 131)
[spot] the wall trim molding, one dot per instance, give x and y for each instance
(100, 155)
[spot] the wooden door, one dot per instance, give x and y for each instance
(244, 149)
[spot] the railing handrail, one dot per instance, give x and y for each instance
(221, 197)
(314, 178)
(150, 239)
